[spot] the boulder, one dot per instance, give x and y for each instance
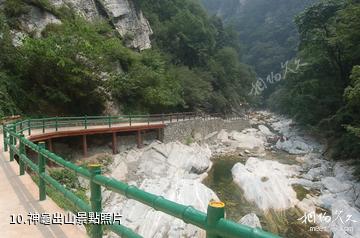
(343, 172)
(248, 139)
(148, 222)
(344, 220)
(266, 131)
(171, 170)
(334, 185)
(307, 205)
(293, 146)
(251, 220)
(263, 180)
(223, 136)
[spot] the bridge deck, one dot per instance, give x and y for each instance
(139, 127)
(37, 135)
(19, 196)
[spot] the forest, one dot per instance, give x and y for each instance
(323, 95)
(194, 64)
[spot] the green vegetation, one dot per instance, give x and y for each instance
(267, 33)
(203, 53)
(70, 181)
(324, 95)
(66, 177)
(194, 64)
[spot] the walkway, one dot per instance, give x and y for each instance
(19, 196)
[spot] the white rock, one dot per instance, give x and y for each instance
(36, 20)
(172, 170)
(126, 18)
(334, 185)
(211, 135)
(248, 139)
(266, 131)
(17, 38)
(85, 8)
(294, 146)
(150, 223)
(343, 172)
(306, 183)
(307, 205)
(283, 126)
(313, 173)
(357, 203)
(223, 136)
(341, 212)
(120, 172)
(251, 220)
(326, 200)
(264, 180)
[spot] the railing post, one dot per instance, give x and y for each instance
(11, 143)
(5, 138)
(42, 163)
(162, 118)
(215, 211)
(170, 118)
(21, 152)
(109, 120)
(95, 191)
(29, 127)
(130, 119)
(56, 123)
(43, 125)
(85, 122)
(148, 119)
(177, 116)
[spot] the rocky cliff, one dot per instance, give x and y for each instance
(123, 15)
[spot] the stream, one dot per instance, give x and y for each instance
(283, 223)
(286, 223)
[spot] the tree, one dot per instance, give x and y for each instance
(147, 86)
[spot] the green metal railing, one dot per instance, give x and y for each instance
(56, 123)
(213, 222)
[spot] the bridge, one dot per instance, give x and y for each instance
(31, 134)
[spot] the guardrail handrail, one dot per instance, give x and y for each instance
(213, 221)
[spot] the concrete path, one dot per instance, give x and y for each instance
(19, 197)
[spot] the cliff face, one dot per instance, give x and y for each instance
(125, 18)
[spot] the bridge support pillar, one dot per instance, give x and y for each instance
(159, 136)
(114, 143)
(51, 149)
(50, 146)
(139, 139)
(85, 147)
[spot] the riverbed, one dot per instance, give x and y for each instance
(285, 143)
